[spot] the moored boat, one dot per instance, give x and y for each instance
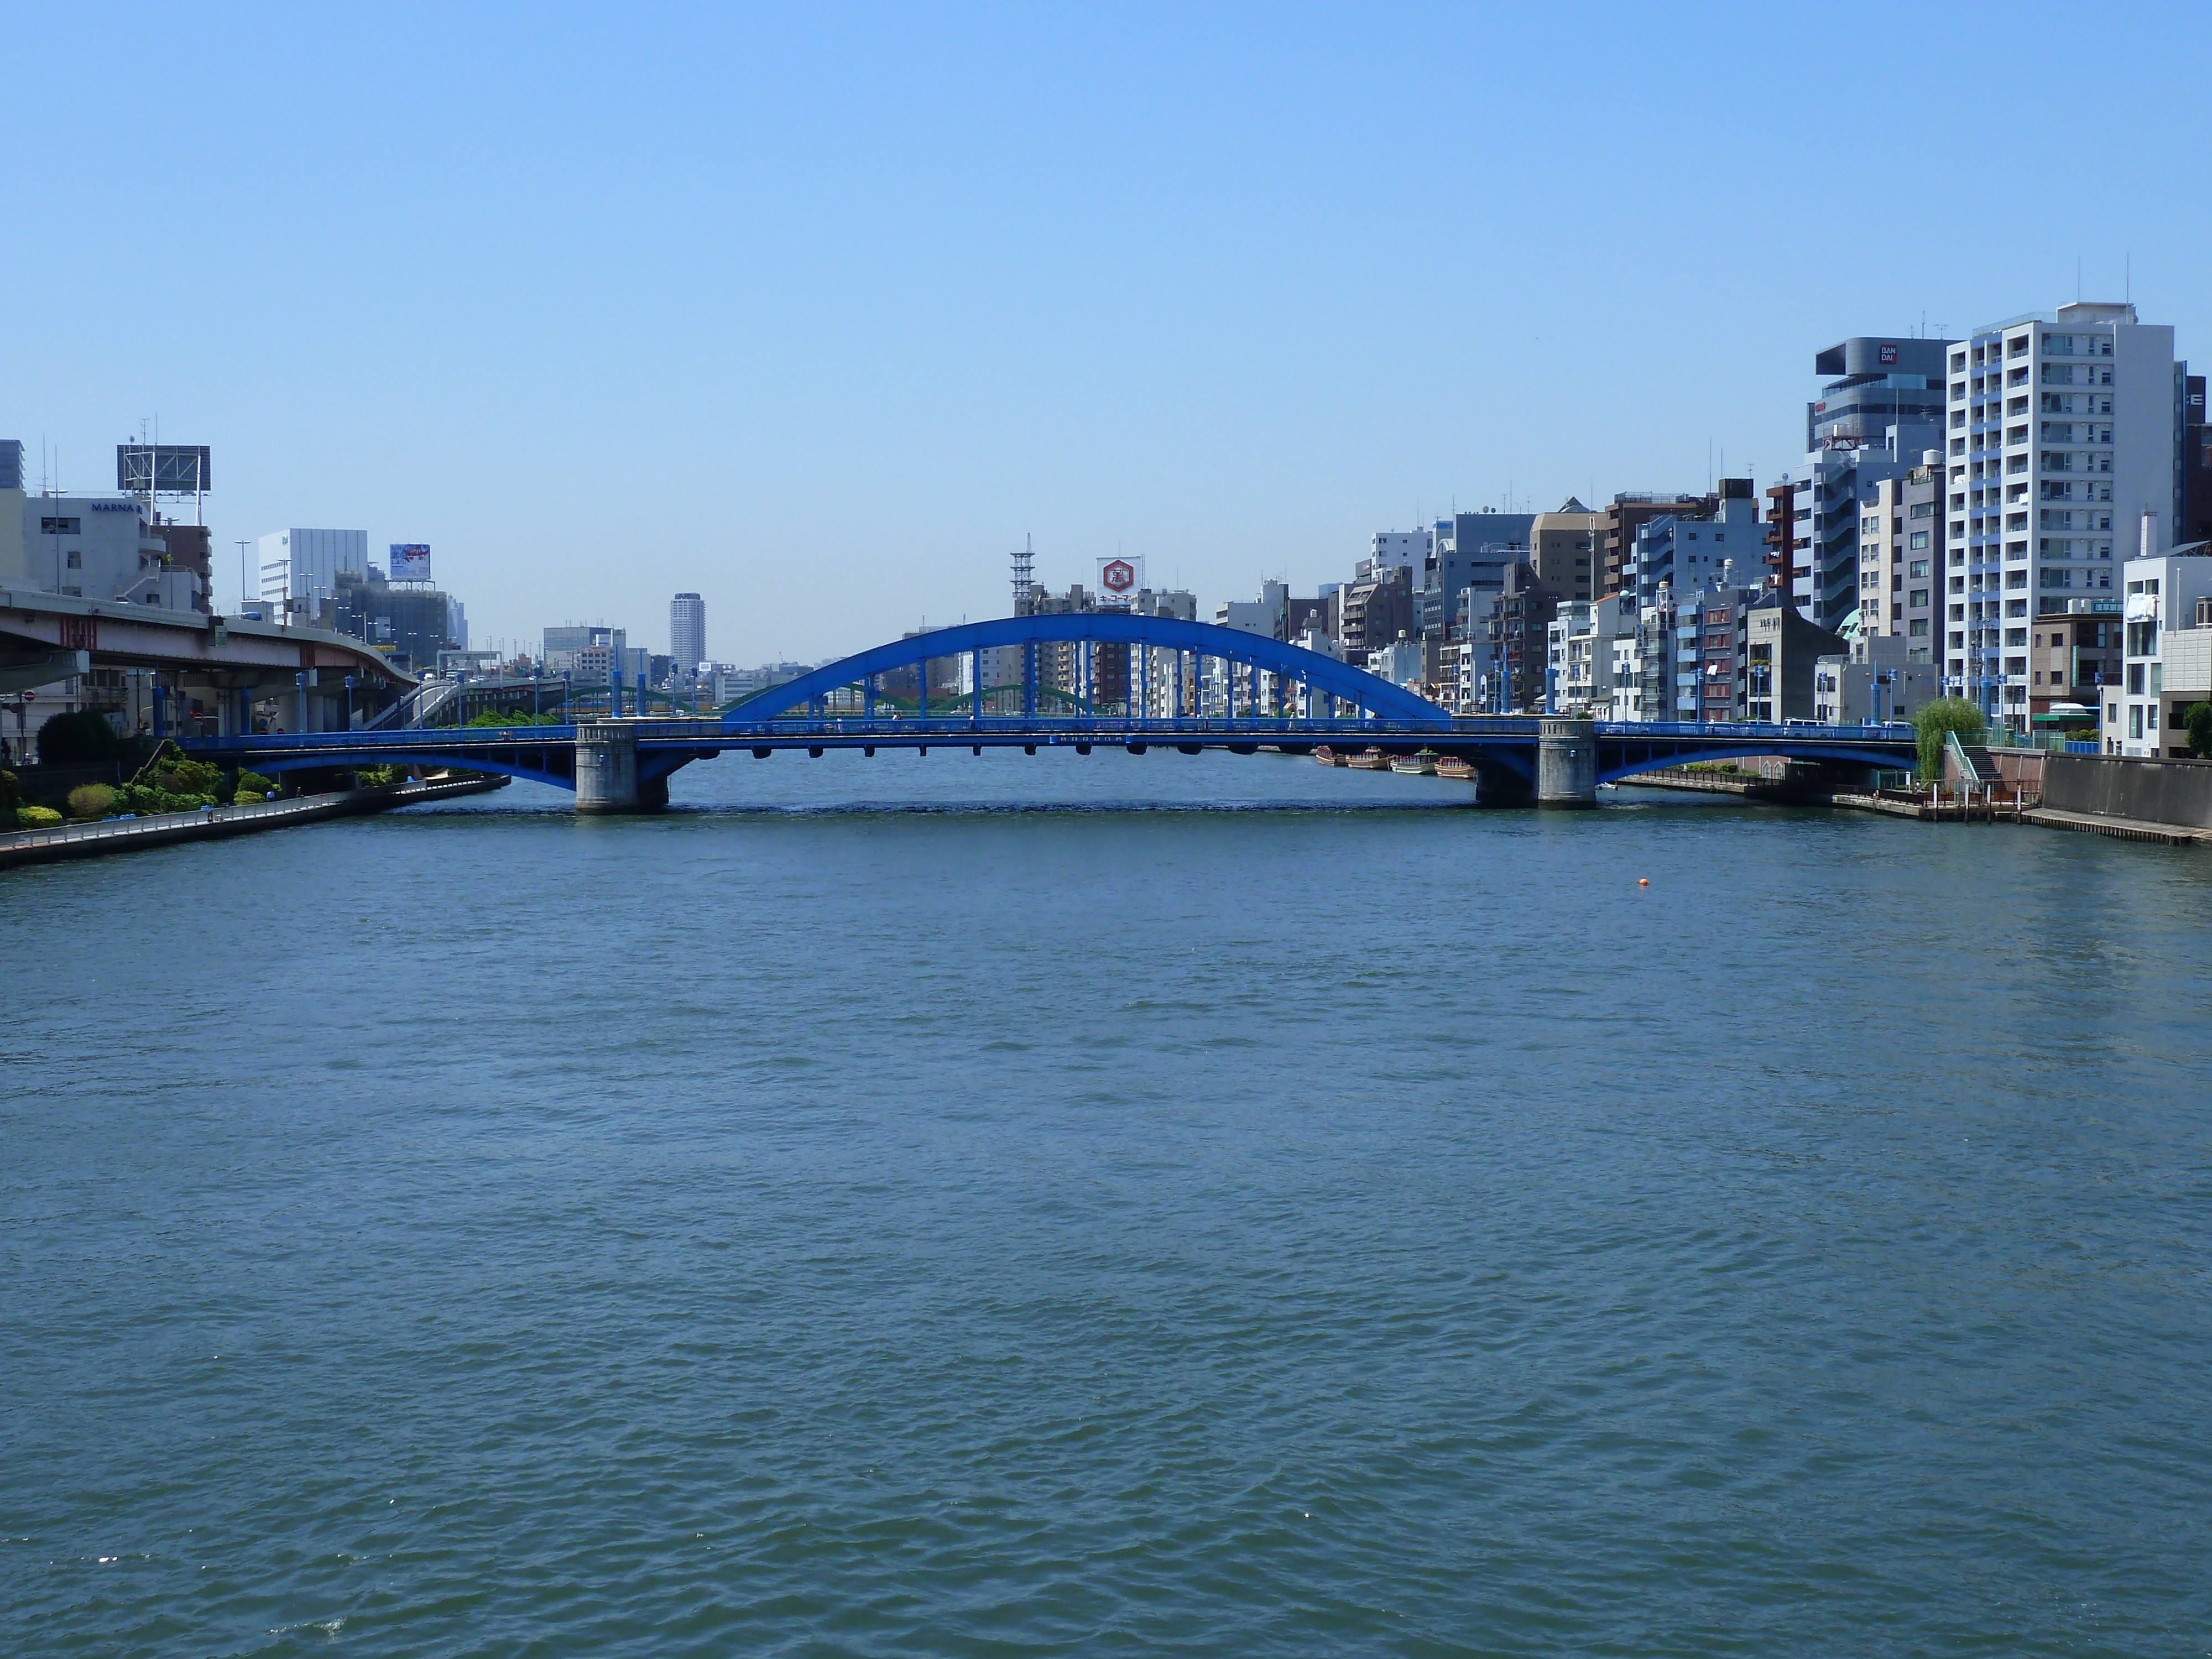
(1455, 766)
(1327, 757)
(1422, 765)
(1370, 760)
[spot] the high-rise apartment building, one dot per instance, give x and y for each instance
(1901, 560)
(1880, 411)
(687, 633)
(1469, 551)
(1685, 553)
(2064, 430)
(1567, 548)
(1629, 512)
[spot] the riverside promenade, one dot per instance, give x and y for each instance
(76, 841)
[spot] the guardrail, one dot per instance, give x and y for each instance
(735, 733)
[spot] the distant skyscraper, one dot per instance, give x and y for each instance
(300, 568)
(687, 631)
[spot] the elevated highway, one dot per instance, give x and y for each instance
(207, 671)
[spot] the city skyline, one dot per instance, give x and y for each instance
(740, 305)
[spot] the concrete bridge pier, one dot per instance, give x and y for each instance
(1566, 762)
(606, 768)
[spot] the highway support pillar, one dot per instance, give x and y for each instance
(606, 767)
(1566, 763)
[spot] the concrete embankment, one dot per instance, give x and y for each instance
(1896, 804)
(76, 841)
(2078, 814)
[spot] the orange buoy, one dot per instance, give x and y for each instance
(1643, 881)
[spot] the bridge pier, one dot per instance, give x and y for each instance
(606, 768)
(1566, 762)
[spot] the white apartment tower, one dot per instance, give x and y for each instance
(2061, 431)
(687, 632)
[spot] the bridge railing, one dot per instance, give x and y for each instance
(1865, 732)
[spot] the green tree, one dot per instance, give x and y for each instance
(2199, 722)
(74, 739)
(1937, 718)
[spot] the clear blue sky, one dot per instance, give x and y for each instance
(818, 311)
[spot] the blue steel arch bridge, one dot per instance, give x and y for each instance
(1075, 680)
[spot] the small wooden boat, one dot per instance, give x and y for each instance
(1370, 760)
(1422, 765)
(1327, 757)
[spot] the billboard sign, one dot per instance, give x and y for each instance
(1120, 578)
(1884, 354)
(410, 561)
(162, 469)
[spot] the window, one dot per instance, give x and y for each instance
(1918, 567)
(61, 526)
(2135, 718)
(76, 559)
(1918, 597)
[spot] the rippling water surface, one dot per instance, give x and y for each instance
(1065, 1219)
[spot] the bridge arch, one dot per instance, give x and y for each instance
(1370, 693)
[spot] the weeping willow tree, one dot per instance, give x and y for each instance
(1936, 720)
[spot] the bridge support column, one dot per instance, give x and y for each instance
(1566, 763)
(606, 768)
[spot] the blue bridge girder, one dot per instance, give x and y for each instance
(1361, 711)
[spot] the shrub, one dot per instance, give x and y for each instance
(246, 797)
(192, 777)
(11, 796)
(253, 783)
(92, 800)
(2198, 723)
(75, 740)
(1936, 720)
(36, 817)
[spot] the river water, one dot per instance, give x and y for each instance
(1004, 1207)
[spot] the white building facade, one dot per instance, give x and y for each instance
(2167, 662)
(300, 568)
(2063, 430)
